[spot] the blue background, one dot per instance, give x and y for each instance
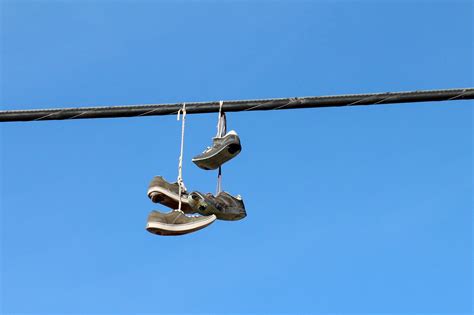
(350, 210)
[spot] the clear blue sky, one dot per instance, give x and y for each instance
(363, 210)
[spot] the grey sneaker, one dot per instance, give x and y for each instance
(223, 149)
(224, 206)
(160, 191)
(176, 223)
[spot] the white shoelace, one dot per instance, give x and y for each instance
(221, 131)
(180, 163)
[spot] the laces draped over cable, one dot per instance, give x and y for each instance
(221, 122)
(180, 163)
(221, 131)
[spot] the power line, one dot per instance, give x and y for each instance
(237, 106)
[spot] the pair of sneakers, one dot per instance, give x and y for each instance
(208, 207)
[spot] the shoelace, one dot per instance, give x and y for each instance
(180, 163)
(187, 215)
(221, 131)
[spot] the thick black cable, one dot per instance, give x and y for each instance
(236, 106)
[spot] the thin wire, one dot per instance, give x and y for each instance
(254, 107)
(292, 100)
(78, 115)
(458, 96)
(43, 117)
(149, 112)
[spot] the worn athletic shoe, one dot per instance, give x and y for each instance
(223, 149)
(223, 206)
(160, 191)
(176, 223)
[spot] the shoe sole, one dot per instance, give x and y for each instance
(169, 199)
(165, 229)
(225, 153)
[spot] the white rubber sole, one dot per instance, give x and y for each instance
(178, 229)
(224, 157)
(215, 154)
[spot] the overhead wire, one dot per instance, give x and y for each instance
(237, 105)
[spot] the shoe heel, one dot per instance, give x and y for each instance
(234, 148)
(156, 197)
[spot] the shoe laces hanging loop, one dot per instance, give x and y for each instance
(180, 162)
(221, 122)
(221, 131)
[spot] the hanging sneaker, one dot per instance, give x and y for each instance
(176, 223)
(160, 191)
(223, 149)
(223, 206)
